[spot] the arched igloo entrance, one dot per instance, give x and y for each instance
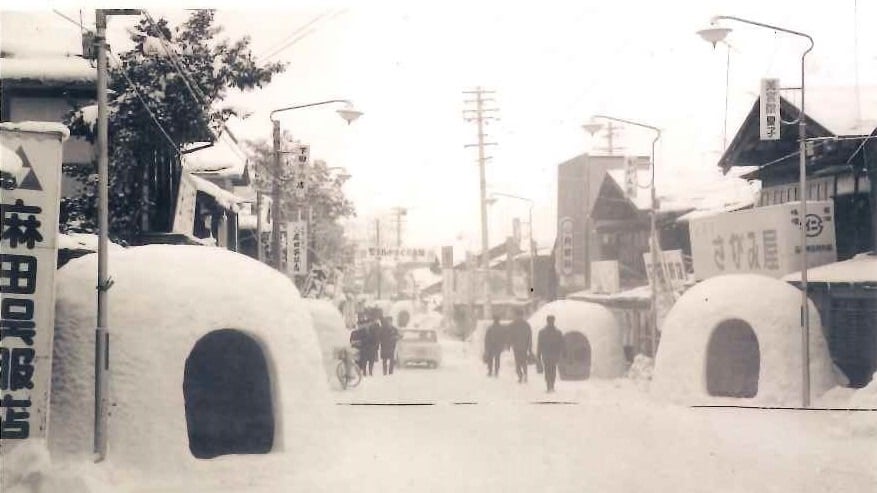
(227, 392)
(576, 363)
(733, 360)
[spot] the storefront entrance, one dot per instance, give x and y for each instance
(227, 392)
(733, 360)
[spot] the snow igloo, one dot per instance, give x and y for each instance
(332, 334)
(214, 362)
(739, 337)
(591, 335)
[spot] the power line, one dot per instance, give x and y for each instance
(280, 44)
(143, 102)
(303, 34)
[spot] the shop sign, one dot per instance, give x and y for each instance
(770, 109)
(764, 240)
(28, 259)
(296, 247)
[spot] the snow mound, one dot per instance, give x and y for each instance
(596, 323)
(164, 299)
(331, 332)
(28, 468)
(771, 309)
(642, 368)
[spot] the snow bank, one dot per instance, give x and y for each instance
(166, 298)
(28, 468)
(82, 241)
(861, 268)
(331, 332)
(771, 308)
(596, 323)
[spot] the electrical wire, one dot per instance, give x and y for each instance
(302, 35)
(279, 45)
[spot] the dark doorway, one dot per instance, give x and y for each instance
(576, 363)
(733, 360)
(227, 391)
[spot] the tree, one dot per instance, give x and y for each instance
(325, 200)
(144, 163)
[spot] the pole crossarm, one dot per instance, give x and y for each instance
(320, 103)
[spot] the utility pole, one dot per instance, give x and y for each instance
(611, 131)
(102, 331)
(480, 115)
(378, 254)
(275, 199)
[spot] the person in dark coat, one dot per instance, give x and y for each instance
(521, 340)
(358, 340)
(388, 337)
(494, 343)
(372, 342)
(549, 350)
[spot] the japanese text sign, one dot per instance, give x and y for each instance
(296, 247)
(28, 259)
(565, 256)
(764, 240)
(671, 272)
(770, 109)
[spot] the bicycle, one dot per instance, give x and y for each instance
(347, 371)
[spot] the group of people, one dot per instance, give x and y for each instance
(518, 336)
(373, 336)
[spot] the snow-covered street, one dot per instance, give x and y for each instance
(485, 434)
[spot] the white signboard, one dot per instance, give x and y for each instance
(296, 247)
(672, 269)
(28, 259)
(604, 277)
(770, 109)
(405, 254)
(630, 184)
(184, 214)
(300, 160)
(764, 240)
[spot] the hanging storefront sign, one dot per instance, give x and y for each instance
(770, 109)
(630, 184)
(605, 277)
(565, 257)
(671, 272)
(764, 240)
(28, 259)
(184, 213)
(296, 247)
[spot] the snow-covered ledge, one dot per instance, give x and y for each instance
(37, 127)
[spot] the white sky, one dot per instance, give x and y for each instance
(552, 64)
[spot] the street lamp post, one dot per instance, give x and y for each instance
(714, 35)
(532, 244)
(654, 243)
(348, 113)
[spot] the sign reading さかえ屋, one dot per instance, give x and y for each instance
(28, 258)
(764, 240)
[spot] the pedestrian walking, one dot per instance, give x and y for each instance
(521, 340)
(359, 339)
(388, 337)
(372, 342)
(494, 342)
(549, 350)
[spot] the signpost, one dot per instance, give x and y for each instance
(28, 259)
(763, 240)
(770, 109)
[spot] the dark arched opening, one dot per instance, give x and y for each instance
(227, 391)
(733, 360)
(576, 363)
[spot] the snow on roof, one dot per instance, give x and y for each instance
(81, 241)
(47, 70)
(596, 323)
(771, 309)
(37, 127)
(842, 110)
(859, 269)
(642, 200)
(331, 332)
(224, 198)
(166, 298)
(220, 159)
(639, 293)
(38, 34)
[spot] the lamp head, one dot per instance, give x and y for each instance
(714, 34)
(592, 127)
(349, 113)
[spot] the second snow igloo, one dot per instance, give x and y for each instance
(332, 334)
(739, 337)
(591, 335)
(214, 366)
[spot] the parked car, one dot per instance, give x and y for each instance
(418, 347)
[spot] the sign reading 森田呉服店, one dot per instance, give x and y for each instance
(296, 247)
(764, 240)
(28, 259)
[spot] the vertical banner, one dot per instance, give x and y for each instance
(296, 247)
(28, 259)
(447, 257)
(770, 109)
(300, 159)
(184, 213)
(565, 257)
(630, 183)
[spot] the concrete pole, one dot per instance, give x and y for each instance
(276, 200)
(485, 246)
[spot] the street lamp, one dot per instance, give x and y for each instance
(348, 113)
(532, 243)
(654, 245)
(715, 34)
